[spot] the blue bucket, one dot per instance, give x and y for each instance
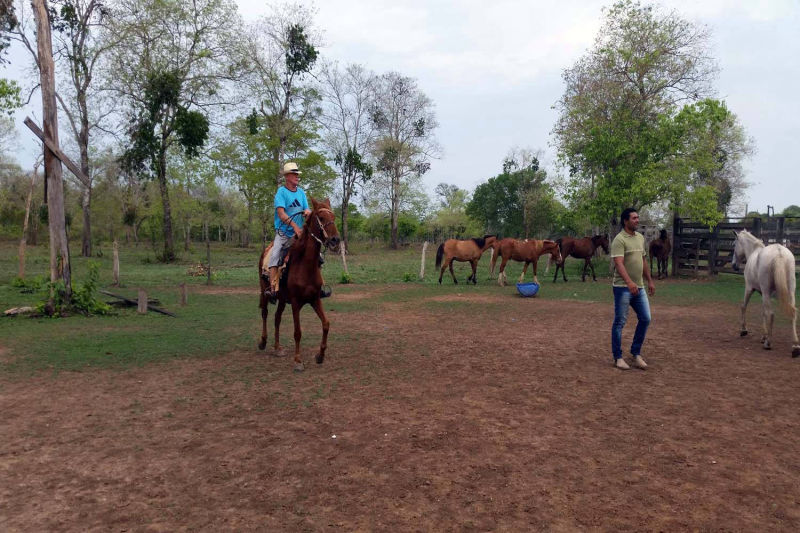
(528, 289)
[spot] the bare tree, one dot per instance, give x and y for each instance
(405, 121)
(348, 97)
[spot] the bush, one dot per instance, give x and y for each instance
(346, 278)
(83, 298)
(408, 276)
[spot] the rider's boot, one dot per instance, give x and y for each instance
(274, 280)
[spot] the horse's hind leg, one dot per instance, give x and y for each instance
(769, 320)
(317, 305)
(524, 271)
(298, 334)
(450, 263)
(278, 313)
(591, 265)
(748, 292)
(501, 277)
(474, 264)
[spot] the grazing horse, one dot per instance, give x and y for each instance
(457, 250)
(580, 249)
(303, 282)
(528, 251)
(659, 249)
(768, 270)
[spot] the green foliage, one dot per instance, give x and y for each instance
(192, 130)
(83, 299)
(301, 54)
(345, 278)
(29, 285)
(408, 276)
(9, 96)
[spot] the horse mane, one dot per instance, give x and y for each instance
(480, 241)
(663, 235)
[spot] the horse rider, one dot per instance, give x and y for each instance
(290, 204)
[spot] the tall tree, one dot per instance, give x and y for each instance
(171, 64)
(9, 90)
(405, 143)
(349, 132)
(281, 50)
(614, 130)
(77, 24)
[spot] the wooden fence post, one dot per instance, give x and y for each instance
(142, 308)
(208, 262)
(183, 295)
(757, 227)
(422, 262)
(676, 242)
(712, 251)
(344, 260)
(779, 225)
(116, 263)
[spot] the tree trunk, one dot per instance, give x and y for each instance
(86, 238)
(23, 240)
(395, 210)
(345, 229)
(59, 245)
(169, 244)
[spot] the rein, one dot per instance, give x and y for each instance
(322, 228)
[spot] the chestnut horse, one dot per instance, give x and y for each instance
(303, 282)
(659, 249)
(580, 249)
(528, 251)
(456, 250)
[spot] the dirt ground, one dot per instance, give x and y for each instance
(501, 415)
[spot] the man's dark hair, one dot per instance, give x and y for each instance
(626, 214)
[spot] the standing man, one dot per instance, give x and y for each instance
(290, 201)
(628, 253)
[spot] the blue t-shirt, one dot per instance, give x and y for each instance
(292, 203)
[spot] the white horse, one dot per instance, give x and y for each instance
(768, 270)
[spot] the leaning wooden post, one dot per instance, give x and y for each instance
(142, 308)
(422, 262)
(183, 295)
(116, 263)
(24, 240)
(344, 261)
(208, 262)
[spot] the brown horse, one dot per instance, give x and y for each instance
(528, 251)
(456, 250)
(659, 249)
(303, 282)
(580, 249)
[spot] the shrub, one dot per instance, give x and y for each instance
(346, 278)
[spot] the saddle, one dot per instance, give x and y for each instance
(283, 269)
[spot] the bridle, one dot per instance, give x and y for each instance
(322, 227)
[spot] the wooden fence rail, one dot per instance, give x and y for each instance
(698, 250)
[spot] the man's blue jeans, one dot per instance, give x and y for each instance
(622, 299)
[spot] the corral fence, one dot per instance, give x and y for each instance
(699, 251)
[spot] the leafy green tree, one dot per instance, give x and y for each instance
(9, 90)
(615, 131)
(172, 61)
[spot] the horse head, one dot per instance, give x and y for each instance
(739, 257)
(322, 224)
(600, 241)
(553, 248)
(663, 235)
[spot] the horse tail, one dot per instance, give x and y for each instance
(783, 269)
(439, 255)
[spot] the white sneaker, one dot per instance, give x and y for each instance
(639, 361)
(621, 364)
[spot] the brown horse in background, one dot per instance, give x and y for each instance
(456, 250)
(659, 249)
(580, 249)
(528, 251)
(303, 282)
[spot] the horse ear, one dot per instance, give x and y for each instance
(327, 201)
(314, 203)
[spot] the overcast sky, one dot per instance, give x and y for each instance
(494, 73)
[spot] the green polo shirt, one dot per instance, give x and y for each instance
(631, 247)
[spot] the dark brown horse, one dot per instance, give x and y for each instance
(468, 250)
(528, 251)
(580, 249)
(659, 249)
(303, 282)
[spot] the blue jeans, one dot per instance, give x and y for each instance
(622, 299)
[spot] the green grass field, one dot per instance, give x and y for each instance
(216, 323)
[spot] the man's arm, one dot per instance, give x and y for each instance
(286, 219)
(619, 264)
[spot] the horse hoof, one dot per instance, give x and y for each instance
(300, 367)
(319, 358)
(279, 352)
(795, 351)
(743, 333)
(767, 346)
(262, 344)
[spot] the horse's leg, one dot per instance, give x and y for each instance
(450, 263)
(317, 305)
(501, 277)
(585, 266)
(535, 268)
(474, 264)
(748, 292)
(278, 313)
(591, 265)
(524, 271)
(494, 262)
(768, 316)
(264, 312)
(298, 362)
